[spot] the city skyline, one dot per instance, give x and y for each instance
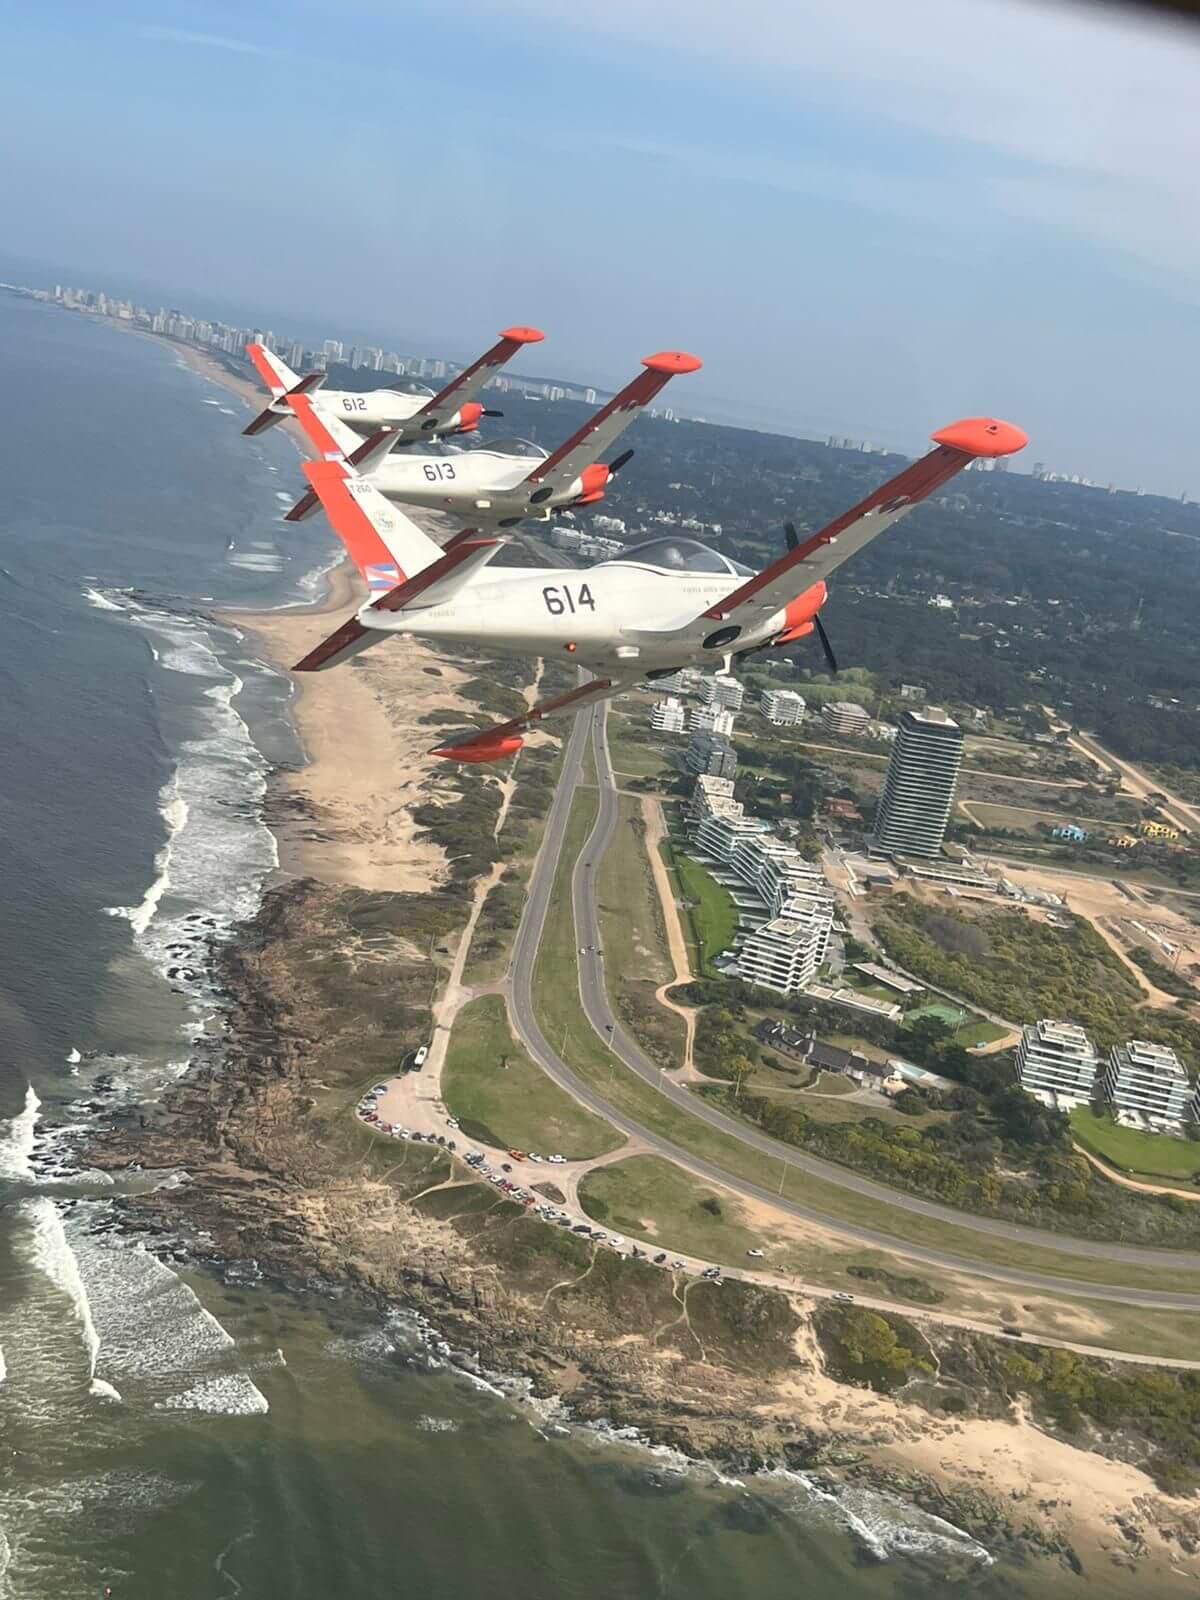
(858, 235)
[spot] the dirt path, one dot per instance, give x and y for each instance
(1130, 1183)
(676, 944)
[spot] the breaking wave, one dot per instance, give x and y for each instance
(16, 1141)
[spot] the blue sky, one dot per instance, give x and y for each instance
(865, 219)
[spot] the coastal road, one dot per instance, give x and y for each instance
(628, 1054)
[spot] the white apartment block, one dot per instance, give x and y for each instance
(1057, 1063)
(773, 870)
(713, 797)
(783, 707)
(1150, 1080)
(786, 953)
(710, 719)
(728, 692)
(667, 716)
(844, 717)
(719, 834)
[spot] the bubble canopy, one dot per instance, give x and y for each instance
(680, 555)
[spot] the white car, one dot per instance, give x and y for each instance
(556, 1161)
(533, 1156)
(840, 1294)
(756, 1253)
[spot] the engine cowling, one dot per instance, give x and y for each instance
(592, 482)
(799, 613)
(469, 414)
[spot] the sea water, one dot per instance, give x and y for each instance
(160, 1433)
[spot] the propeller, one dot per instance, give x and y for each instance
(793, 541)
(488, 411)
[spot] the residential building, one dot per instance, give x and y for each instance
(841, 810)
(911, 691)
(710, 719)
(1149, 1080)
(1070, 832)
(713, 797)
(918, 792)
(773, 870)
(728, 692)
(844, 717)
(783, 707)
(890, 979)
(667, 716)
(1157, 830)
(785, 953)
(713, 754)
(1057, 1063)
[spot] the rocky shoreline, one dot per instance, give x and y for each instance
(285, 1188)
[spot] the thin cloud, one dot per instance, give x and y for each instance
(207, 41)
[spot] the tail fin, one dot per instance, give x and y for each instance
(386, 546)
(363, 460)
(279, 407)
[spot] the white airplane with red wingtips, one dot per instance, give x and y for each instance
(659, 606)
(500, 484)
(419, 414)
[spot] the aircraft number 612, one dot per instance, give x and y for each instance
(351, 404)
(558, 600)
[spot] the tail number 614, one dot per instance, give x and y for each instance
(559, 599)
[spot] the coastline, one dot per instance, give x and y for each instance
(272, 1196)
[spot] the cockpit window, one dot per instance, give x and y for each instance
(411, 388)
(514, 447)
(677, 555)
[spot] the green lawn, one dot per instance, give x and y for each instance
(971, 1030)
(655, 1201)
(514, 1105)
(708, 908)
(636, 958)
(1151, 1153)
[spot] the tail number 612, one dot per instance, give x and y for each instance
(559, 599)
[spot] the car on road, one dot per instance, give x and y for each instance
(678, 1266)
(533, 1156)
(518, 1155)
(758, 1254)
(556, 1161)
(660, 1258)
(840, 1294)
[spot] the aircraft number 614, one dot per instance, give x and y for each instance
(560, 599)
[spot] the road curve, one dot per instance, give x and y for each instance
(591, 725)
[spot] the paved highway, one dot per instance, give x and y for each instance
(591, 725)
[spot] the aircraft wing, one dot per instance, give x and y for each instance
(600, 431)
(814, 558)
(330, 439)
(504, 738)
(473, 378)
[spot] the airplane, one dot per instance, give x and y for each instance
(420, 414)
(503, 483)
(668, 603)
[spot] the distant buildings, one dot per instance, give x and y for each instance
(666, 716)
(844, 717)
(712, 755)
(918, 792)
(1149, 1080)
(1057, 1063)
(911, 691)
(728, 692)
(1157, 830)
(1069, 832)
(782, 707)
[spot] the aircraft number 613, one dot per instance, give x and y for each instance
(438, 469)
(560, 599)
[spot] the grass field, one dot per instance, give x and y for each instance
(1125, 1148)
(653, 1200)
(708, 909)
(636, 959)
(516, 1105)
(969, 1029)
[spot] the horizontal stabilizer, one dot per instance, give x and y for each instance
(504, 738)
(341, 646)
(279, 408)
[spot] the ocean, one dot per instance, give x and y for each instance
(162, 1433)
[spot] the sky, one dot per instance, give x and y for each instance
(867, 220)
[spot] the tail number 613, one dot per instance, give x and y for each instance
(559, 599)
